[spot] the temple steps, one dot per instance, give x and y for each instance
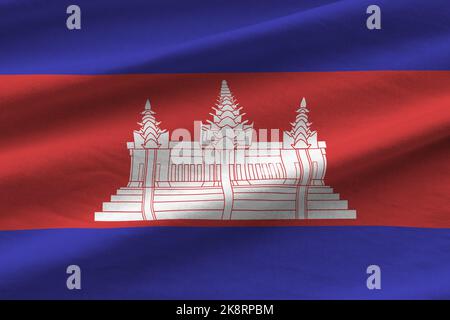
(331, 214)
(188, 205)
(264, 189)
(320, 189)
(263, 196)
(118, 216)
(189, 197)
(249, 203)
(187, 191)
(190, 214)
(217, 215)
(122, 206)
(126, 198)
(264, 205)
(327, 204)
(129, 191)
(323, 196)
(262, 215)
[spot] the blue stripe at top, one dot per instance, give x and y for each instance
(172, 36)
(226, 263)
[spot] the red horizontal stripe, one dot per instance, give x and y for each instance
(63, 139)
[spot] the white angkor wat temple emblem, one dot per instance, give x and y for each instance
(224, 175)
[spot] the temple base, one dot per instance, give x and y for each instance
(261, 202)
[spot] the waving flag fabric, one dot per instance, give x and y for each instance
(379, 100)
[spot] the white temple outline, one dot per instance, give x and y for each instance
(226, 176)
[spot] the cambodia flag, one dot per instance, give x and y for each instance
(200, 149)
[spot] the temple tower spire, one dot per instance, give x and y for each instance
(227, 129)
(301, 132)
(150, 131)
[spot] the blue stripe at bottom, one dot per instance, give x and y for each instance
(226, 263)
